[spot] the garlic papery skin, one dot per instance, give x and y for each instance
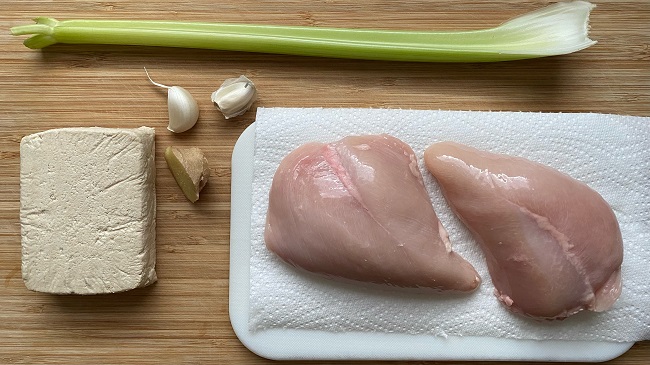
(235, 96)
(182, 107)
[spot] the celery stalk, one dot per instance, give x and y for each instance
(557, 29)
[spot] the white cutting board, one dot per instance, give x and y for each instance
(294, 344)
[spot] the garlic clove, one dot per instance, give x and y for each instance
(182, 108)
(235, 96)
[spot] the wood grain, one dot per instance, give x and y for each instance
(183, 319)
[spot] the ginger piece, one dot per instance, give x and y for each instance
(190, 169)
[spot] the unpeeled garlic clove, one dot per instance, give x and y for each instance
(183, 110)
(235, 96)
(182, 107)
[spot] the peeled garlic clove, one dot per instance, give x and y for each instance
(190, 169)
(182, 107)
(235, 96)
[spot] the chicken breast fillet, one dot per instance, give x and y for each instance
(552, 244)
(357, 209)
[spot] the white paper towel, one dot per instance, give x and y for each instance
(610, 153)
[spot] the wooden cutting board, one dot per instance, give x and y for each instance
(183, 319)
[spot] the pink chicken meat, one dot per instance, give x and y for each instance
(357, 209)
(552, 244)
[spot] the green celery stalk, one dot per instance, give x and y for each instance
(557, 29)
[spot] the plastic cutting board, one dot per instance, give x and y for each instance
(294, 344)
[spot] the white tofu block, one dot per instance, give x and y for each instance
(88, 210)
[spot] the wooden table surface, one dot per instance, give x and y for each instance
(183, 319)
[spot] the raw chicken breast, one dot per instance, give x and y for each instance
(552, 244)
(357, 209)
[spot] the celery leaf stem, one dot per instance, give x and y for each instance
(557, 29)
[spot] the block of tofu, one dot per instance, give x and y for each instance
(88, 210)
